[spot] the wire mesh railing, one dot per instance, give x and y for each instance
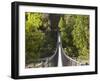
(44, 62)
(68, 61)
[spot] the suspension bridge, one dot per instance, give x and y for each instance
(58, 59)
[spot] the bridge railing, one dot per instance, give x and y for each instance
(68, 61)
(44, 62)
(52, 61)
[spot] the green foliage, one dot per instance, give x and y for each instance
(62, 24)
(81, 36)
(40, 41)
(33, 20)
(66, 27)
(75, 35)
(49, 45)
(41, 36)
(33, 44)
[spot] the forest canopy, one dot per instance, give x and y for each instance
(75, 36)
(41, 35)
(40, 39)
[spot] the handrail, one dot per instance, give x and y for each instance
(70, 57)
(67, 55)
(50, 58)
(44, 61)
(53, 54)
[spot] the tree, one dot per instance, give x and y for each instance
(33, 20)
(66, 27)
(75, 36)
(81, 36)
(40, 39)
